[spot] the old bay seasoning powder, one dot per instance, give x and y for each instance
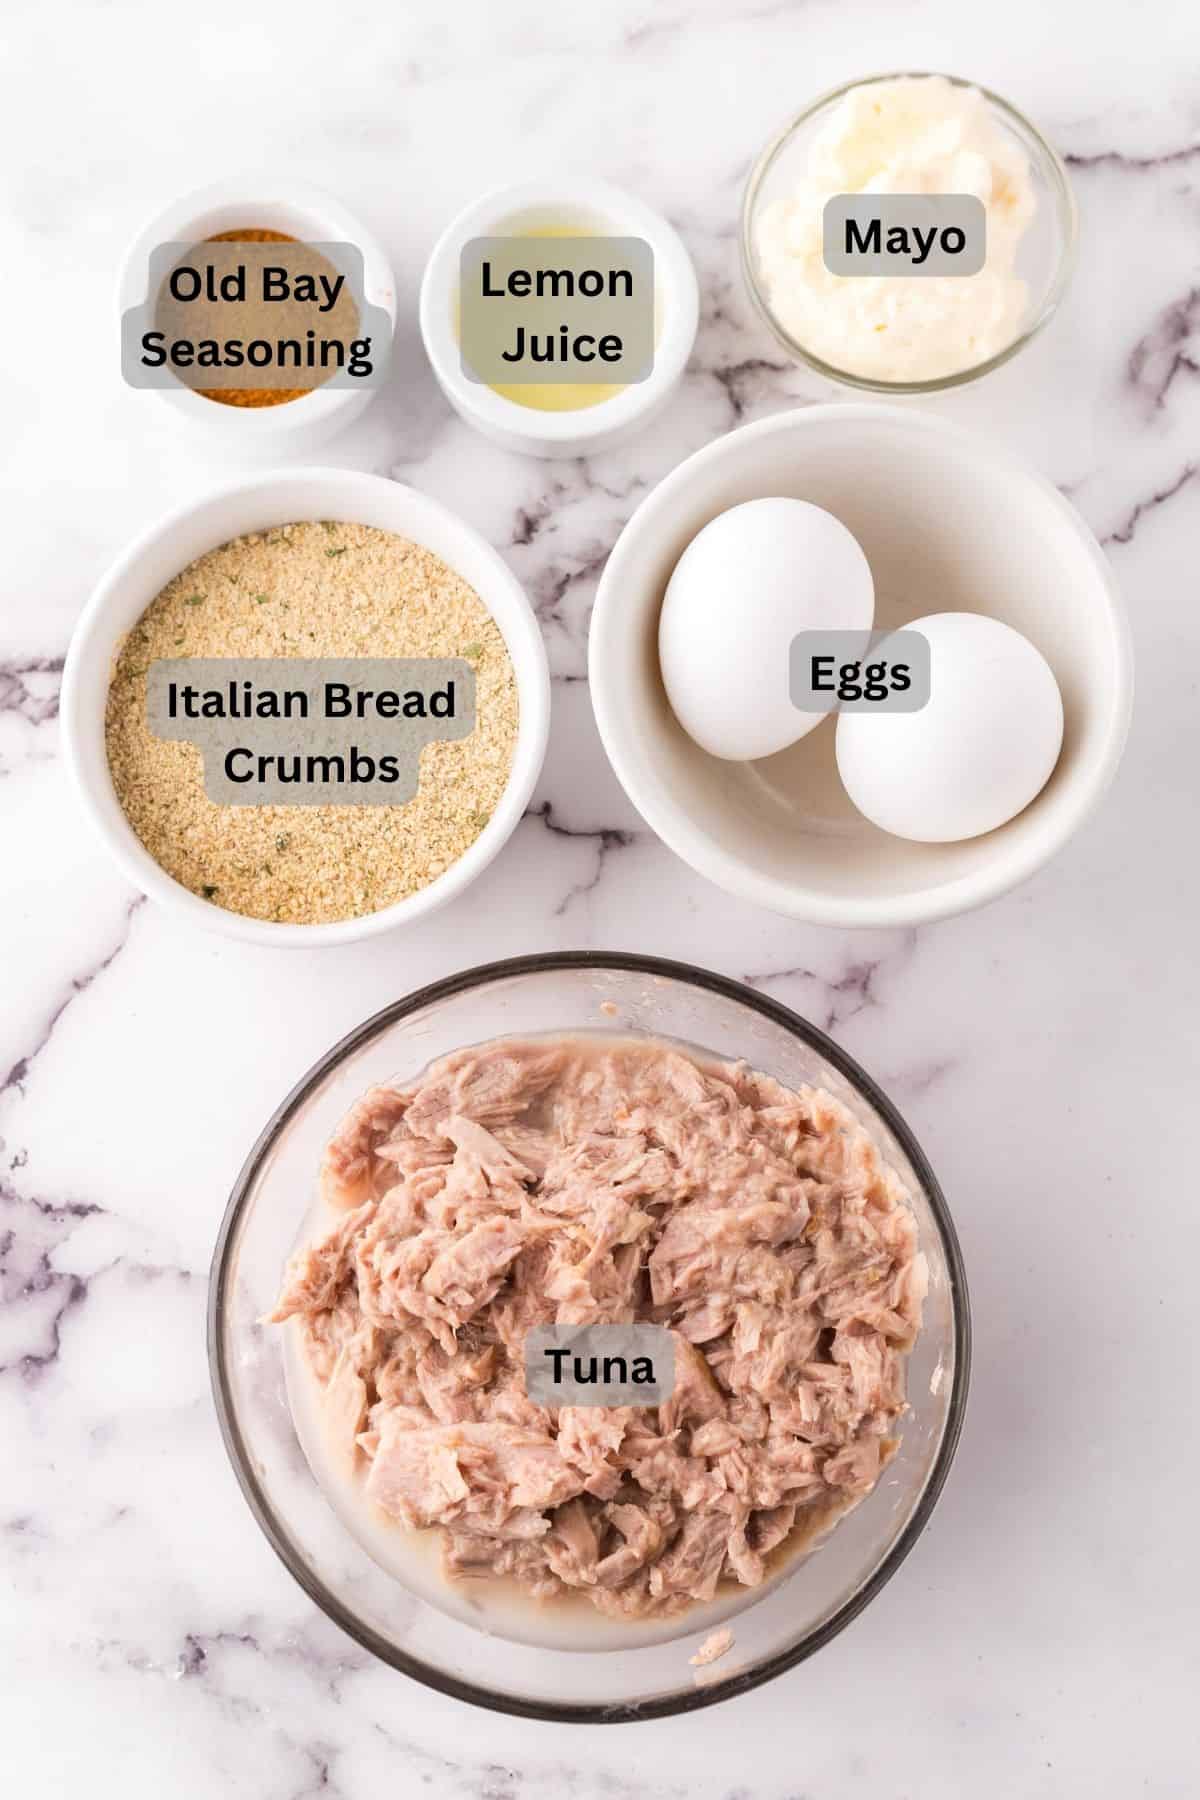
(251, 396)
(259, 396)
(312, 589)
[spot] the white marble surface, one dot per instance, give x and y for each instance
(1041, 1639)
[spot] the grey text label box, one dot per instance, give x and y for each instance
(307, 686)
(489, 322)
(237, 301)
(855, 671)
(589, 1347)
(859, 228)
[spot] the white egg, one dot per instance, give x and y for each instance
(981, 748)
(745, 585)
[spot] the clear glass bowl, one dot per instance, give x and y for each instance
(816, 1596)
(1045, 259)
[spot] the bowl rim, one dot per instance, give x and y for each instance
(261, 191)
(259, 1503)
(675, 277)
(88, 766)
(1066, 207)
(610, 616)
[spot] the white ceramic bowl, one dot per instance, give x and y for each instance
(279, 498)
(594, 206)
(270, 203)
(949, 522)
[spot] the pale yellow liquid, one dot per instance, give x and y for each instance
(558, 396)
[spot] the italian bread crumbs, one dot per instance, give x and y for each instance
(313, 589)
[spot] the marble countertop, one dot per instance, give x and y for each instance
(1040, 1641)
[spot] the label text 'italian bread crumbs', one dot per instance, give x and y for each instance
(317, 589)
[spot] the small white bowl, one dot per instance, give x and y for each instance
(594, 206)
(949, 522)
(267, 203)
(279, 498)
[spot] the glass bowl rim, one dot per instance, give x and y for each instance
(259, 1501)
(1067, 210)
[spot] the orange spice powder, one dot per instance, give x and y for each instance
(252, 396)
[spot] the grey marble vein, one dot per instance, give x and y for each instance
(35, 1296)
(78, 984)
(23, 693)
(854, 989)
(1131, 163)
(604, 839)
(1166, 351)
(1125, 532)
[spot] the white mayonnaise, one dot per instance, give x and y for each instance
(913, 135)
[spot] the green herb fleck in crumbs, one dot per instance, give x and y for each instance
(261, 599)
(328, 525)
(195, 600)
(283, 840)
(473, 650)
(480, 819)
(340, 551)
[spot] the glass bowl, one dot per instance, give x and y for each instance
(1045, 258)
(791, 1617)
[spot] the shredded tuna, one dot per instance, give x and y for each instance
(715, 1645)
(527, 1183)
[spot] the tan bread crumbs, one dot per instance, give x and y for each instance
(312, 589)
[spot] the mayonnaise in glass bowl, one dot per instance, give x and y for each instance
(1031, 236)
